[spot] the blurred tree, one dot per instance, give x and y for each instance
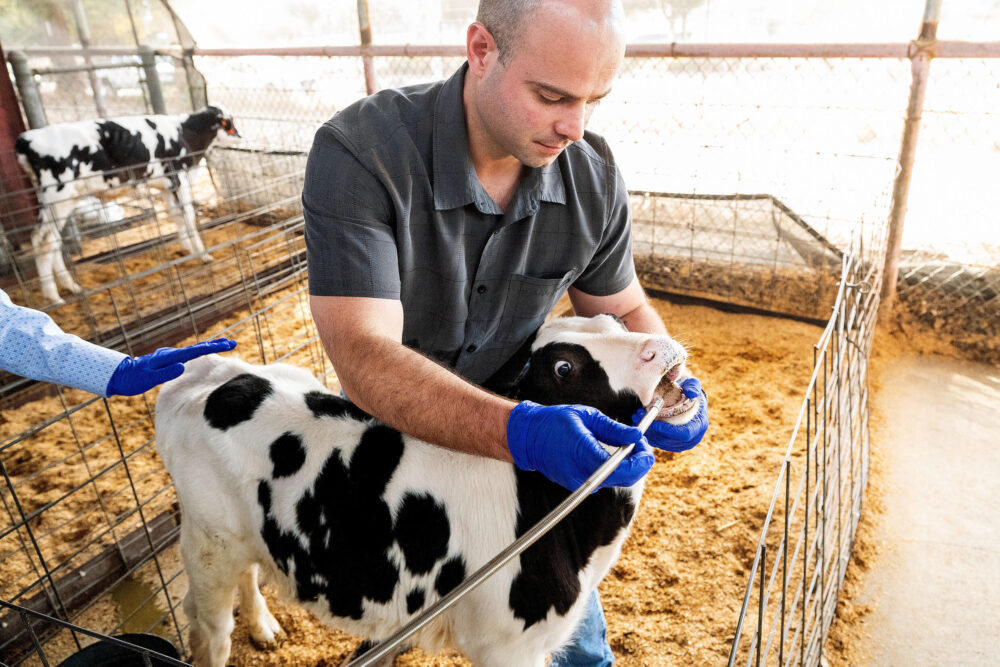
(673, 11)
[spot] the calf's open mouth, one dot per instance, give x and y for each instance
(674, 401)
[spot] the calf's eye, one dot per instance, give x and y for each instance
(563, 368)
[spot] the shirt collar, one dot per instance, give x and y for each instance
(455, 181)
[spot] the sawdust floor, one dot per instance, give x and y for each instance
(674, 596)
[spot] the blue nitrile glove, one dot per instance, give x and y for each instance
(136, 375)
(560, 441)
(667, 436)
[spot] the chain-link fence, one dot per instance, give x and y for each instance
(72, 87)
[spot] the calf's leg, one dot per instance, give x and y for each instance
(213, 574)
(187, 229)
(263, 626)
(46, 243)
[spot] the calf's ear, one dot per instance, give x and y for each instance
(505, 380)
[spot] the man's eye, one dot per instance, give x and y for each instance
(549, 100)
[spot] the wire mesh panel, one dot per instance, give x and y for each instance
(88, 510)
(808, 533)
(280, 101)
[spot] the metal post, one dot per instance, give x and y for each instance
(922, 50)
(365, 26)
(31, 100)
(197, 87)
(83, 31)
(148, 57)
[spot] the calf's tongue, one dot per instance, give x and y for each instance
(671, 393)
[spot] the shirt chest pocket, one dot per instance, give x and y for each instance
(529, 299)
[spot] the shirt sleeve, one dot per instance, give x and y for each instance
(350, 240)
(33, 346)
(612, 268)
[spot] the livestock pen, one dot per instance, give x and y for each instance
(740, 546)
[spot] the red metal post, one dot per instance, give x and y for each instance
(365, 26)
(18, 206)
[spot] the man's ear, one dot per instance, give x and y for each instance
(479, 44)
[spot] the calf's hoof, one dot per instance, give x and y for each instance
(264, 629)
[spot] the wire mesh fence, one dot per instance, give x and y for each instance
(88, 510)
(806, 543)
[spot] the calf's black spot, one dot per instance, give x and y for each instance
(235, 401)
(414, 600)
(422, 532)
(287, 455)
(451, 575)
(549, 576)
(344, 530)
(325, 404)
(376, 457)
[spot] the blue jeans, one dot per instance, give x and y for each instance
(589, 646)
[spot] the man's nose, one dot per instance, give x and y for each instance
(573, 121)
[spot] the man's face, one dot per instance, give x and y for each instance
(540, 100)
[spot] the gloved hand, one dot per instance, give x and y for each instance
(136, 375)
(560, 441)
(667, 436)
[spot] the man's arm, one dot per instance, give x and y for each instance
(402, 387)
(631, 305)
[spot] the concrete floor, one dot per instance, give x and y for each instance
(935, 590)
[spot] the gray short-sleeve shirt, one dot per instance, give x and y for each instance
(394, 210)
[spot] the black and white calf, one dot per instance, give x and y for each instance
(366, 527)
(70, 160)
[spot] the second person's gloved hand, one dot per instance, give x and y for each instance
(136, 375)
(561, 442)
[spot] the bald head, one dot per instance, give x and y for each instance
(507, 20)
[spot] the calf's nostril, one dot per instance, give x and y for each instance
(648, 355)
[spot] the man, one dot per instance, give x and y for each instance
(32, 345)
(444, 221)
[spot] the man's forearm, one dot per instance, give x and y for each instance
(644, 319)
(421, 398)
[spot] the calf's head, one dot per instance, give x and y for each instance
(222, 122)
(596, 361)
